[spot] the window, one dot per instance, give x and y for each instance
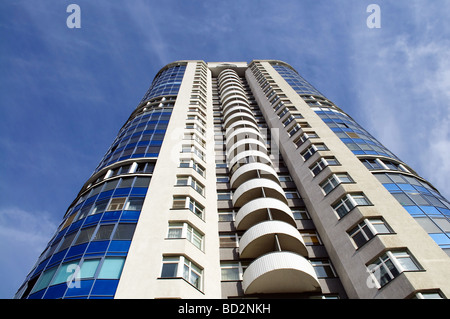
(182, 202)
(111, 268)
(429, 295)
(232, 270)
(193, 164)
(334, 180)
(309, 152)
(348, 202)
(226, 216)
(222, 179)
(124, 232)
(116, 204)
(372, 164)
(146, 168)
(224, 195)
(67, 241)
(85, 235)
(190, 181)
(387, 267)
(104, 232)
(182, 267)
(99, 207)
(228, 240)
(134, 204)
(304, 137)
(368, 229)
(185, 230)
(65, 273)
(285, 178)
(320, 165)
(310, 237)
(88, 268)
(323, 268)
(300, 213)
(44, 280)
(292, 194)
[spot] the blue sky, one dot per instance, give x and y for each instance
(65, 93)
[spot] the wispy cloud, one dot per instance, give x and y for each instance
(23, 236)
(403, 87)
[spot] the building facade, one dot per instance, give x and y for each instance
(242, 180)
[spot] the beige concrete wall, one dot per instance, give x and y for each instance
(349, 262)
(140, 276)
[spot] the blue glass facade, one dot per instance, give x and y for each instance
(85, 257)
(357, 139)
(423, 202)
(140, 137)
(166, 82)
(97, 231)
(295, 80)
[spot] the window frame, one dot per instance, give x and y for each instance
(349, 202)
(368, 230)
(334, 180)
(182, 263)
(188, 232)
(391, 266)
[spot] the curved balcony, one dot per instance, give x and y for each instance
(256, 211)
(235, 133)
(248, 157)
(231, 98)
(232, 91)
(260, 239)
(246, 144)
(280, 272)
(228, 89)
(233, 103)
(254, 188)
(229, 80)
(239, 116)
(251, 171)
(236, 109)
(226, 74)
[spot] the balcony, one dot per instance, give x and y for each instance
(247, 157)
(255, 211)
(239, 116)
(280, 272)
(251, 171)
(255, 188)
(266, 236)
(246, 144)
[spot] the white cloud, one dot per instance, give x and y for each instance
(23, 237)
(402, 79)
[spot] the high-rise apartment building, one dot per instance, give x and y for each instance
(237, 180)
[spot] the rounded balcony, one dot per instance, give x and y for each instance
(236, 97)
(256, 211)
(246, 144)
(280, 272)
(255, 188)
(236, 133)
(260, 239)
(251, 171)
(248, 157)
(233, 103)
(226, 79)
(226, 74)
(244, 116)
(236, 109)
(231, 89)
